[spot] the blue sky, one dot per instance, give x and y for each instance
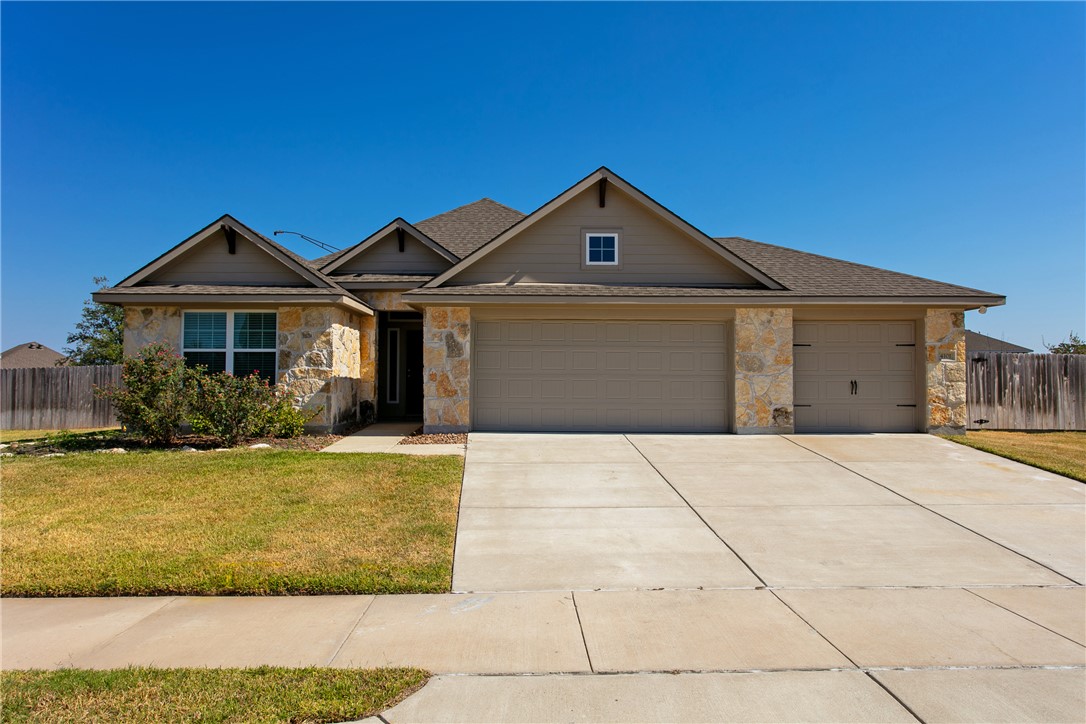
(943, 140)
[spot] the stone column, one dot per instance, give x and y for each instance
(763, 371)
(446, 358)
(151, 325)
(944, 340)
(320, 363)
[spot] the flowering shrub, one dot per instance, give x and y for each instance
(154, 396)
(159, 393)
(234, 409)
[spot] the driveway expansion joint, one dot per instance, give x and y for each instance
(695, 511)
(934, 512)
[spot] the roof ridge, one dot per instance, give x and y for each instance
(464, 206)
(857, 264)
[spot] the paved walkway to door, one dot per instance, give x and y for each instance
(589, 512)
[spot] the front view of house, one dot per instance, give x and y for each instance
(599, 311)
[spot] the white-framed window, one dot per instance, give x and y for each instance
(239, 342)
(600, 248)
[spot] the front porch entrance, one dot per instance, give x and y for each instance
(399, 366)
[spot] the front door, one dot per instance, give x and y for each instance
(399, 366)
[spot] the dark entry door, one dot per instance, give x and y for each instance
(399, 366)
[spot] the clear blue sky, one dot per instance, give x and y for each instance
(944, 140)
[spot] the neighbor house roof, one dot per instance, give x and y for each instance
(30, 354)
(977, 342)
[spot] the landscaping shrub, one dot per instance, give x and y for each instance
(154, 397)
(231, 408)
(159, 393)
(283, 419)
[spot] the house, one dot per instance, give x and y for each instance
(977, 342)
(30, 354)
(600, 310)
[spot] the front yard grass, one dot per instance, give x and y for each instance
(232, 522)
(8, 436)
(1063, 453)
(206, 695)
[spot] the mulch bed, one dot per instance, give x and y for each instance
(418, 437)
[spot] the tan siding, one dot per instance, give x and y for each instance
(210, 262)
(651, 251)
(385, 257)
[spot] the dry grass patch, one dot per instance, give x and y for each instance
(206, 695)
(236, 522)
(1063, 453)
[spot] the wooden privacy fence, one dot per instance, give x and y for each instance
(1026, 391)
(56, 398)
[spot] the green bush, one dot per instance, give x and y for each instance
(231, 408)
(282, 419)
(154, 396)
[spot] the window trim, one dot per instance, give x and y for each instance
(230, 350)
(614, 234)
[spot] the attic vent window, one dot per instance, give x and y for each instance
(601, 249)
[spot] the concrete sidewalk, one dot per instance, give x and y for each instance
(561, 632)
(384, 437)
(943, 654)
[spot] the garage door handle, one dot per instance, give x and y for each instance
(854, 386)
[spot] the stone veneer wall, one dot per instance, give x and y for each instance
(944, 335)
(151, 325)
(446, 358)
(321, 362)
(763, 370)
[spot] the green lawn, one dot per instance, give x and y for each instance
(235, 522)
(21, 435)
(1063, 453)
(204, 695)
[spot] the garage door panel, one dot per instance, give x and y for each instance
(577, 375)
(855, 377)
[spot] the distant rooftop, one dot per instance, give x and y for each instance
(30, 354)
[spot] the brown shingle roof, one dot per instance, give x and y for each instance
(977, 342)
(466, 228)
(30, 354)
(814, 275)
(221, 289)
(381, 278)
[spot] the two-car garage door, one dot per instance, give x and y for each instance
(600, 376)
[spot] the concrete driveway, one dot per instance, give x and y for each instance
(589, 512)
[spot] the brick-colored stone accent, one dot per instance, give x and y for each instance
(763, 370)
(151, 325)
(944, 340)
(446, 358)
(321, 362)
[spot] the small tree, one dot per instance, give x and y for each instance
(1073, 345)
(98, 338)
(154, 397)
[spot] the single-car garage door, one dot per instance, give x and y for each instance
(855, 376)
(650, 376)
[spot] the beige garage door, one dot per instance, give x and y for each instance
(600, 376)
(855, 376)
